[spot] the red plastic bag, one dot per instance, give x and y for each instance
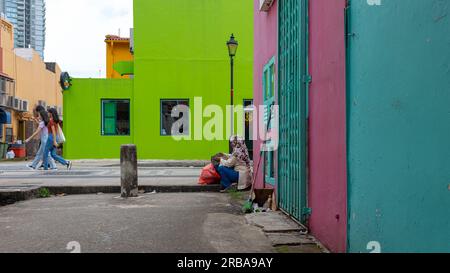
(209, 176)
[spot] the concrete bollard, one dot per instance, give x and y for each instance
(128, 171)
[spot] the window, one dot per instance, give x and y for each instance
(115, 117)
(269, 98)
(174, 111)
(269, 82)
(268, 87)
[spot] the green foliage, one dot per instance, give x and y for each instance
(44, 193)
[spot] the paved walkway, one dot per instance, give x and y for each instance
(99, 173)
(18, 183)
(201, 221)
(153, 223)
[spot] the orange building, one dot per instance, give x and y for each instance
(118, 54)
(25, 82)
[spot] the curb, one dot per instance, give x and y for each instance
(78, 190)
(11, 197)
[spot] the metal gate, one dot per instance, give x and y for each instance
(293, 81)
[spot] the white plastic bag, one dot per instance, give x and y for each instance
(10, 155)
(60, 138)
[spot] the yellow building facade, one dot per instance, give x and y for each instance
(25, 82)
(117, 50)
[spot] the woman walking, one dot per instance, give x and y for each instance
(52, 144)
(42, 118)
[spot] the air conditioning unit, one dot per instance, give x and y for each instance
(24, 106)
(4, 100)
(20, 106)
(265, 5)
(10, 102)
(17, 103)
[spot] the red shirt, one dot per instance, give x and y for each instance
(50, 125)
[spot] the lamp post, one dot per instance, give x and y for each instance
(232, 45)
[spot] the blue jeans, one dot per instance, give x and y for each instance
(50, 148)
(40, 155)
(228, 176)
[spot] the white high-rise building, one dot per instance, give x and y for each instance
(28, 18)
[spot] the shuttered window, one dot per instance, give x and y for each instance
(115, 117)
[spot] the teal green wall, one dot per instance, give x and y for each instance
(399, 126)
(180, 52)
(82, 118)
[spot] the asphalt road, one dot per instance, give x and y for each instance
(153, 223)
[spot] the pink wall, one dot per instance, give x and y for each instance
(266, 47)
(327, 124)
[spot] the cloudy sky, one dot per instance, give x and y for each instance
(76, 31)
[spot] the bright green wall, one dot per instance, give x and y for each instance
(180, 52)
(82, 118)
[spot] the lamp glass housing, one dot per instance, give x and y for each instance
(232, 46)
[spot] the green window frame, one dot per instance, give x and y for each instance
(113, 119)
(269, 87)
(269, 91)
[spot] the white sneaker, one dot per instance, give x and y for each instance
(31, 167)
(69, 165)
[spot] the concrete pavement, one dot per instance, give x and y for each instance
(196, 220)
(17, 182)
(148, 171)
(153, 223)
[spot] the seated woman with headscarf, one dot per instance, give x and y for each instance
(235, 169)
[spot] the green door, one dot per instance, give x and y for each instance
(293, 109)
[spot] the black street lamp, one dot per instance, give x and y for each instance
(232, 45)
